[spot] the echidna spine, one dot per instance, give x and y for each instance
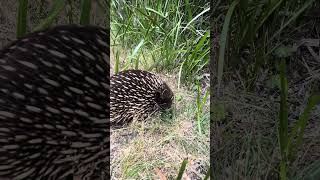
(137, 94)
(54, 111)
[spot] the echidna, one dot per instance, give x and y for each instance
(137, 94)
(54, 111)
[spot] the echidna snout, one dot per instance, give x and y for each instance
(137, 94)
(164, 97)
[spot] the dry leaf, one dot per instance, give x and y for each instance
(160, 174)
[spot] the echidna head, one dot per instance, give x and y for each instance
(164, 97)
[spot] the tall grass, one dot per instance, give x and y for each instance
(289, 144)
(283, 121)
(22, 18)
(260, 28)
(256, 26)
(182, 169)
(175, 35)
(223, 43)
(85, 12)
(200, 104)
(168, 37)
(58, 6)
(55, 13)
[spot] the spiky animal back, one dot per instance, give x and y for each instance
(54, 89)
(137, 94)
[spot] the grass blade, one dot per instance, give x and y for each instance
(182, 168)
(283, 120)
(85, 12)
(195, 18)
(223, 41)
(117, 63)
(298, 129)
(314, 172)
(22, 18)
(302, 9)
(199, 107)
(134, 54)
(200, 44)
(70, 11)
(156, 12)
(58, 6)
(283, 115)
(208, 174)
(180, 74)
(265, 16)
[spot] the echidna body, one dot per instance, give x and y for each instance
(137, 94)
(54, 115)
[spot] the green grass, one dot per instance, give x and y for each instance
(258, 26)
(290, 143)
(76, 11)
(182, 169)
(58, 6)
(22, 18)
(85, 12)
(283, 121)
(173, 38)
(200, 103)
(258, 56)
(223, 41)
(168, 36)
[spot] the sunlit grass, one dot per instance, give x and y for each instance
(166, 36)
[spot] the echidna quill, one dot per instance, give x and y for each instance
(137, 94)
(54, 111)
